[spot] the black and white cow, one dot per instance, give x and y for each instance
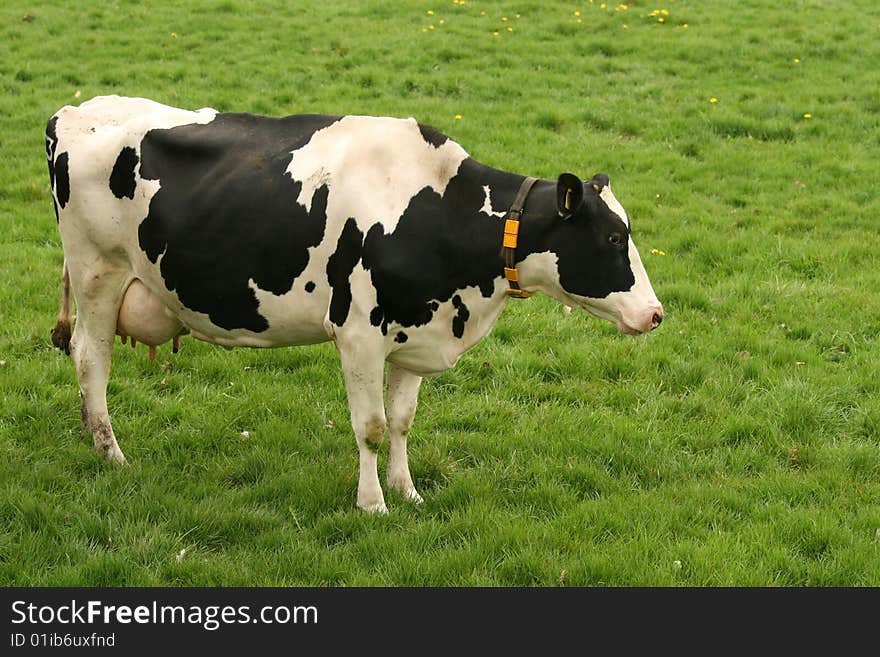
(379, 234)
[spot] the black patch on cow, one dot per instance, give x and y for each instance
(310, 287)
(433, 136)
(51, 144)
(377, 318)
(62, 180)
(339, 268)
(401, 337)
(122, 182)
(441, 244)
(226, 212)
(461, 317)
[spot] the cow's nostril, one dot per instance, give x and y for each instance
(658, 319)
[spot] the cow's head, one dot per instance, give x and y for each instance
(598, 267)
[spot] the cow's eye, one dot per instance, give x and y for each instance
(616, 239)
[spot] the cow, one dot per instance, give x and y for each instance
(380, 234)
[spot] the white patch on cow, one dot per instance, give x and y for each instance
(286, 328)
(487, 204)
(316, 179)
(385, 160)
(539, 272)
(613, 204)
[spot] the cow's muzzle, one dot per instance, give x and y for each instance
(647, 321)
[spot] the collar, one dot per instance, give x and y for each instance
(511, 235)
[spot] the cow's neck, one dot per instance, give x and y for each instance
(533, 257)
(535, 260)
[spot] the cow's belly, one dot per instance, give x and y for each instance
(294, 318)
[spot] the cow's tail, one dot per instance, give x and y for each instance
(61, 332)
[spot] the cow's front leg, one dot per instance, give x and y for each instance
(362, 367)
(401, 400)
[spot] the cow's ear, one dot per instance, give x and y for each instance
(599, 181)
(569, 194)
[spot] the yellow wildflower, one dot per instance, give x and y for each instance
(430, 12)
(713, 100)
(808, 116)
(457, 117)
(660, 252)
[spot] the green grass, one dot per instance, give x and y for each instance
(737, 445)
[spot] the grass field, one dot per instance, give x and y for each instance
(737, 445)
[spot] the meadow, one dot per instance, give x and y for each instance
(738, 445)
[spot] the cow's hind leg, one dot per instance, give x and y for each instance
(401, 399)
(362, 367)
(98, 296)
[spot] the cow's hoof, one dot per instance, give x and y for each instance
(374, 508)
(112, 454)
(404, 486)
(413, 496)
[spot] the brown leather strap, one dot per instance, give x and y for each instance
(511, 235)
